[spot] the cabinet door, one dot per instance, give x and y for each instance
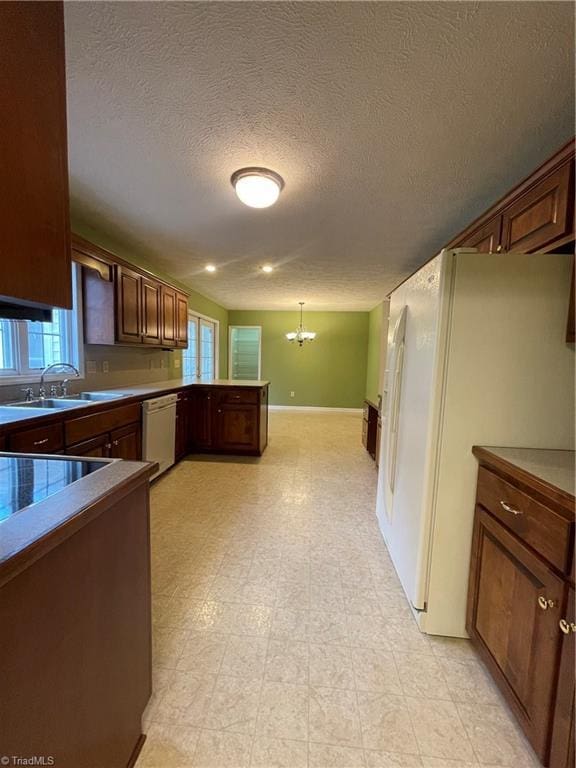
(562, 751)
(181, 320)
(168, 316)
(237, 427)
(151, 312)
(126, 443)
(540, 216)
(128, 305)
(514, 605)
(34, 215)
(201, 432)
(486, 238)
(98, 446)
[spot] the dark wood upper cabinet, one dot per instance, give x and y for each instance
(151, 312)
(168, 316)
(486, 238)
(34, 200)
(128, 305)
(541, 215)
(181, 320)
(536, 215)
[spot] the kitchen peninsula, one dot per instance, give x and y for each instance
(74, 533)
(214, 416)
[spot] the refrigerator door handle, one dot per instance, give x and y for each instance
(393, 429)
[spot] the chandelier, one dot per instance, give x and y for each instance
(300, 335)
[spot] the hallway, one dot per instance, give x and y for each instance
(282, 637)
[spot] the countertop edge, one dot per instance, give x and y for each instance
(15, 562)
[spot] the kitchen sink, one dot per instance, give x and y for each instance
(58, 403)
(98, 395)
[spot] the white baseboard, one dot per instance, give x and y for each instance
(314, 408)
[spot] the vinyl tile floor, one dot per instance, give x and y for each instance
(281, 635)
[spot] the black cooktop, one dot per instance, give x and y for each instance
(26, 480)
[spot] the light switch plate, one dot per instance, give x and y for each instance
(105, 366)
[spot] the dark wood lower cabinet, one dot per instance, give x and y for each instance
(228, 420)
(562, 750)
(126, 443)
(515, 607)
(521, 600)
(236, 427)
(76, 640)
(97, 447)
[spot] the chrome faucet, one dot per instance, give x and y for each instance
(42, 390)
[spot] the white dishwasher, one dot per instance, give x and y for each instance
(159, 434)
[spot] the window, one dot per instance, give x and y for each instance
(27, 347)
(245, 351)
(201, 357)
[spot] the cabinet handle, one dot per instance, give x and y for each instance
(41, 442)
(510, 508)
(545, 604)
(219, 410)
(499, 248)
(108, 446)
(115, 442)
(567, 626)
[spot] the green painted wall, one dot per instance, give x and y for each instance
(374, 351)
(329, 372)
(196, 301)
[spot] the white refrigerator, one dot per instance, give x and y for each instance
(476, 356)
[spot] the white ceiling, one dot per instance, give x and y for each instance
(392, 123)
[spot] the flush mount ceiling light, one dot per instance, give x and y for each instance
(301, 335)
(257, 187)
(267, 268)
(210, 268)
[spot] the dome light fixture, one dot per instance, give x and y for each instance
(301, 335)
(210, 268)
(257, 187)
(267, 268)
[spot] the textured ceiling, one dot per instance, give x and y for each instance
(393, 124)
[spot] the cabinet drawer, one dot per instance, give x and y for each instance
(540, 527)
(77, 430)
(239, 396)
(47, 439)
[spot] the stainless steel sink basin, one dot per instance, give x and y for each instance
(49, 403)
(99, 395)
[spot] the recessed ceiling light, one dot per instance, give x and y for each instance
(210, 268)
(267, 268)
(257, 187)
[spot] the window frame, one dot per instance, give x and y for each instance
(21, 374)
(254, 327)
(198, 316)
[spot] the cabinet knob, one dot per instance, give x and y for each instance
(115, 442)
(544, 603)
(510, 508)
(108, 446)
(499, 248)
(567, 626)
